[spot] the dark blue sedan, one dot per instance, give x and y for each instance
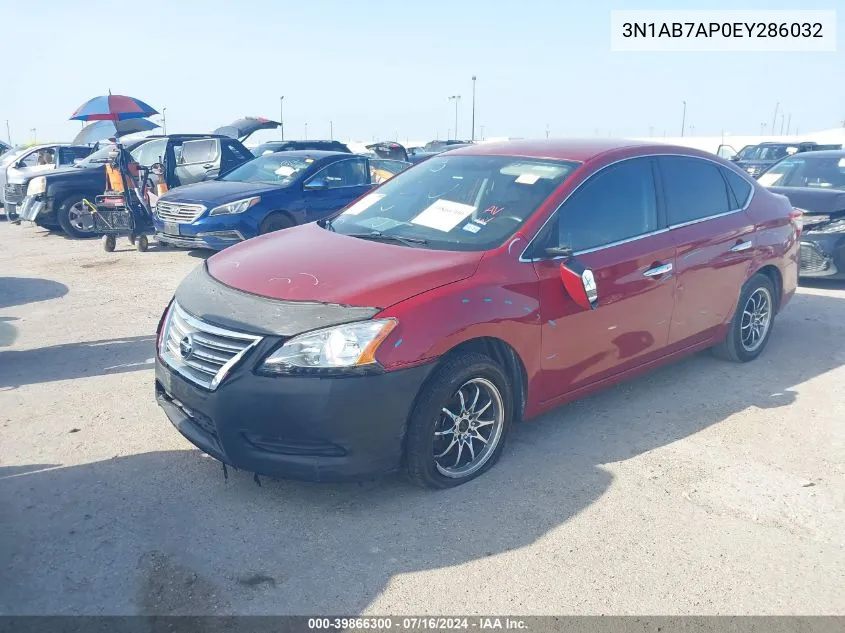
(268, 193)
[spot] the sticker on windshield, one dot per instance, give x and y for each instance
(472, 228)
(527, 179)
(841, 162)
(285, 170)
(443, 215)
(364, 203)
(767, 180)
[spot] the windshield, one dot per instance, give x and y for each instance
(824, 172)
(96, 158)
(768, 152)
(274, 169)
(455, 202)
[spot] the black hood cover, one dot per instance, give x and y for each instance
(814, 200)
(242, 128)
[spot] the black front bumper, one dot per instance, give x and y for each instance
(307, 428)
(822, 255)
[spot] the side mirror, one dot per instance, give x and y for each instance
(316, 184)
(735, 158)
(580, 284)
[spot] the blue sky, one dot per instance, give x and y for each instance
(384, 69)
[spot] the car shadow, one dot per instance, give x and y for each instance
(15, 291)
(76, 360)
(164, 533)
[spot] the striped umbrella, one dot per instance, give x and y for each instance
(112, 108)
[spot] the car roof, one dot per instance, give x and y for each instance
(580, 150)
(823, 153)
(312, 153)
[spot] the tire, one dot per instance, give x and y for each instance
(109, 242)
(428, 426)
(275, 221)
(71, 217)
(739, 345)
(142, 243)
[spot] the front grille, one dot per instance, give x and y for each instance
(812, 261)
(14, 193)
(178, 212)
(201, 352)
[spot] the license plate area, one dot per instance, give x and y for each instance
(171, 228)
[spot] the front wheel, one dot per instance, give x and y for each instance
(109, 242)
(275, 222)
(75, 217)
(751, 325)
(458, 427)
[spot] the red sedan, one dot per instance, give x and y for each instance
(479, 288)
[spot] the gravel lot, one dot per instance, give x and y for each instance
(704, 487)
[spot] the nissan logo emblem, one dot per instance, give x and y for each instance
(186, 346)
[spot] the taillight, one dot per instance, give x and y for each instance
(796, 216)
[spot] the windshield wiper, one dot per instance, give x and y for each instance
(378, 236)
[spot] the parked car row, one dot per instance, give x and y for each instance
(481, 287)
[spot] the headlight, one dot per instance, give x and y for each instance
(340, 347)
(36, 186)
(239, 206)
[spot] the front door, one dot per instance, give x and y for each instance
(340, 183)
(705, 205)
(613, 226)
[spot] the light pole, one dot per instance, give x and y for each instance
(762, 129)
(306, 130)
(8, 132)
(331, 131)
(547, 130)
(788, 123)
(164, 120)
(482, 133)
(34, 137)
(473, 107)
(775, 118)
(457, 100)
(781, 125)
(684, 118)
(282, 116)
(651, 130)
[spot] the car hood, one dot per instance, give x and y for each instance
(816, 201)
(309, 263)
(217, 192)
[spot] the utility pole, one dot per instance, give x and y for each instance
(8, 132)
(482, 132)
(457, 100)
(775, 118)
(282, 116)
(306, 130)
(547, 130)
(788, 123)
(684, 118)
(473, 107)
(781, 125)
(331, 131)
(34, 137)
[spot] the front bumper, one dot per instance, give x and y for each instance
(822, 256)
(212, 232)
(296, 427)
(35, 208)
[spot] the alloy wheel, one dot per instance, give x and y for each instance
(80, 218)
(756, 319)
(468, 429)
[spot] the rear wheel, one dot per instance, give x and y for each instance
(142, 243)
(275, 222)
(109, 242)
(75, 217)
(459, 424)
(751, 326)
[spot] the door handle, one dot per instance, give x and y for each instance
(741, 246)
(209, 166)
(658, 270)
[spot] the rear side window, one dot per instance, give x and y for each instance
(694, 189)
(200, 151)
(738, 188)
(616, 204)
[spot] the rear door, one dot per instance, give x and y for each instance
(705, 207)
(197, 160)
(613, 224)
(346, 179)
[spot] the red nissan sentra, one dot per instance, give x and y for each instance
(481, 287)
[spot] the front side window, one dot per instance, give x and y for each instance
(616, 204)
(827, 172)
(150, 153)
(694, 189)
(345, 173)
(40, 158)
(469, 203)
